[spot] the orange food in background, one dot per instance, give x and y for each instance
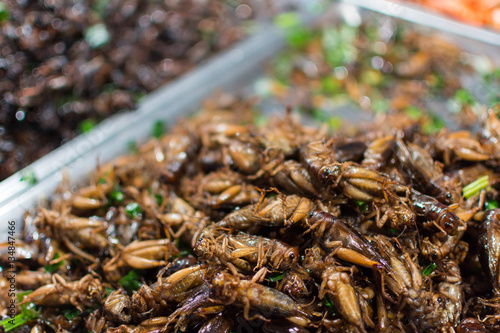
(477, 12)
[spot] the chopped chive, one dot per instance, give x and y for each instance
(413, 112)
(131, 282)
(433, 126)
(287, 20)
(20, 294)
(464, 97)
(159, 199)
(132, 147)
(101, 181)
(29, 177)
(158, 129)
(298, 37)
(86, 125)
(429, 269)
(52, 268)
(491, 204)
(28, 312)
(335, 123)
(475, 187)
(71, 313)
(380, 106)
(329, 304)
(107, 291)
(133, 209)
(97, 35)
(117, 195)
(363, 206)
(277, 277)
(4, 12)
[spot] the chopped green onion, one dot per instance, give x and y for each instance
(29, 177)
(363, 206)
(429, 269)
(20, 294)
(97, 35)
(53, 268)
(380, 106)
(117, 195)
(277, 277)
(4, 12)
(159, 199)
(158, 129)
(491, 204)
(86, 125)
(464, 97)
(101, 181)
(28, 312)
(71, 313)
(287, 20)
(131, 282)
(413, 112)
(433, 126)
(335, 123)
(298, 37)
(133, 209)
(107, 291)
(329, 304)
(475, 187)
(132, 147)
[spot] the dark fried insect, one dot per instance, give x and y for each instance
(436, 214)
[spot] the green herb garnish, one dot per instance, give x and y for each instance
(433, 126)
(71, 313)
(53, 268)
(133, 209)
(29, 177)
(4, 12)
(117, 194)
(329, 305)
(463, 97)
(28, 312)
(132, 147)
(277, 277)
(107, 291)
(413, 112)
(429, 269)
(159, 199)
(335, 123)
(158, 129)
(363, 206)
(287, 20)
(491, 204)
(475, 187)
(86, 125)
(131, 282)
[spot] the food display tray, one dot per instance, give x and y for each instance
(232, 70)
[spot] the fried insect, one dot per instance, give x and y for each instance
(250, 294)
(82, 293)
(436, 214)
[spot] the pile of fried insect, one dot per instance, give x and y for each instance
(229, 224)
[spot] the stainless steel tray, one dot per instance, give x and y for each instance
(236, 68)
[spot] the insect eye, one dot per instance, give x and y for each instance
(435, 256)
(291, 256)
